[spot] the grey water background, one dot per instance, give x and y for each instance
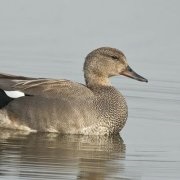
(50, 39)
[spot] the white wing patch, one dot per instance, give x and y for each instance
(14, 94)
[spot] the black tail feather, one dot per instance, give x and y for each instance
(4, 99)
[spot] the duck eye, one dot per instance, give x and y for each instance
(114, 57)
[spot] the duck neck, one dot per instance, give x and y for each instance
(95, 80)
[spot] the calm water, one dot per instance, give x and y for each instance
(50, 39)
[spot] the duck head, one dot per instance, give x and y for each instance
(106, 62)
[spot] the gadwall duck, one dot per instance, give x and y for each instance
(67, 107)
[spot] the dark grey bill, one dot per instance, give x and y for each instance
(131, 74)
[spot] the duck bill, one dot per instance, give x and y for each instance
(131, 74)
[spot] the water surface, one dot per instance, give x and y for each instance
(50, 39)
(53, 156)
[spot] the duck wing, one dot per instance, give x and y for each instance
(49, 88)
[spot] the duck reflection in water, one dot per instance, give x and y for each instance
(53, 156)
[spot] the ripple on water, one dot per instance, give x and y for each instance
(50, 156)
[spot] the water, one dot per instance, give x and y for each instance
(52, 156)
(51, 39)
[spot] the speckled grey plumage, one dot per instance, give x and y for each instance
(63, 106)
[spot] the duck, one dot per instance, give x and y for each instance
(67, 107)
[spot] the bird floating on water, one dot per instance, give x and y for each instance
(66, 107)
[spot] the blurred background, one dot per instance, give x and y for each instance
(43, 38)
(41, 32)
